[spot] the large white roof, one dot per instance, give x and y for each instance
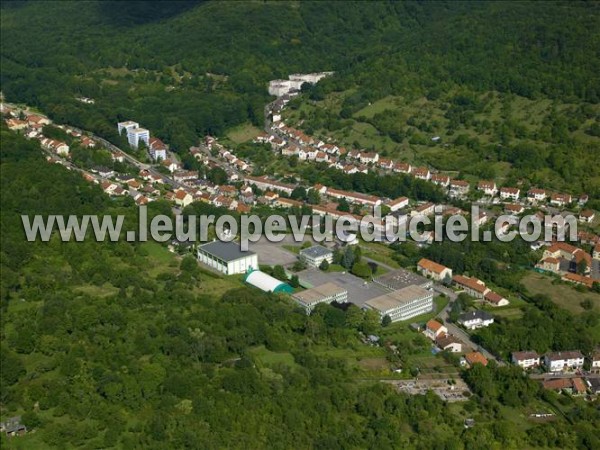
(263, 281)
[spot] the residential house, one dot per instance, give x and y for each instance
(459, 187)
(397, 203)
(575, 278)
(495, 299)
(36, 119)
(596, 252)
(354, 197)
(563, 361)
(16, 124)
(368, 157)
(425, 209)
(560, 199)
(510, 193)
(535, 195)
(549, 264)
(514, 209)
(421, 173)
(265, 183)
(488, 187)
(473, 358)
(587, 216)
(570, 257)
(171, 165)
(158, 149)
(449, 343)
(475, 319)
(472, 286)
(595, 361)
(434, 270)
(583, 199)
(526, 360)
(433, 329)
(440, 180)
(183, 198)
(402, 167)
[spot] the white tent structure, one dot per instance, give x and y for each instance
(266, 282)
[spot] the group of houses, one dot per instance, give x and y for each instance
(135, 134)
(470, 285)
(572, 264)
(445, 341)
(31, 125)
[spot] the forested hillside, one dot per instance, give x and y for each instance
(187, 68)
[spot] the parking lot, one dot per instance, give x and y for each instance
(359, 291)
(272, 253)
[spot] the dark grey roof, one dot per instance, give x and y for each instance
(227, 251)
(474, 315)
(315, 251)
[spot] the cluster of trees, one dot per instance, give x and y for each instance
(544, 327)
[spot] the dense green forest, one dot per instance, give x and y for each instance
(124, 345)
(187, 68)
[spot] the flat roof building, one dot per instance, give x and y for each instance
(401, 278)
(315, 255)
(227, 257)
(402, 304)
(325, 293)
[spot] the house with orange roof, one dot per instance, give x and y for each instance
(433, 329)
(183, 198)
(433, 270)
(472, 286)
(488, 187)
(473, 358)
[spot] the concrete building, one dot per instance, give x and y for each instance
(402, 304)
(137, 135)
(325, 293)
(315, 255)
(227, 258)
(127, 126)
(266, 282)
(526, 360)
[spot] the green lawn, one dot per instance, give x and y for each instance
(243, 133)
(564, 295)
(265, 357)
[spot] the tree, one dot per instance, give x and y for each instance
(279, 273)
(294, 281)
(348, 258)
(343, 205)
(582, 267)
(361, 270)
(387, 320)
(324, 266)
(299, 193)
(313, 197)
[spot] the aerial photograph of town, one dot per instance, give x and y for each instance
(299, 224)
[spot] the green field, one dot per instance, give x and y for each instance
(564, 295)
(243, 133)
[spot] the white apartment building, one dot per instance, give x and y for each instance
(127, 125)
(137, 135)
